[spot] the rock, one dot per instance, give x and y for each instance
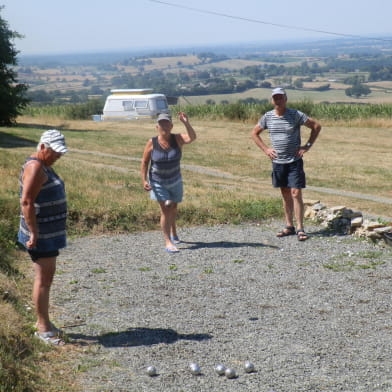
(311, 202)
(345, 221)
(382, 230)
(310, 213)
(357, 221)
(372, 225)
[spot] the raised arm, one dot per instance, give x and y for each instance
(190, 136)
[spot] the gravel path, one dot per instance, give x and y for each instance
(311, 316)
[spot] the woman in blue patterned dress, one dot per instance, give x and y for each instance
(163, 180)
(42, 224)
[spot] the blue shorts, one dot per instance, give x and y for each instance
(289, 175)
(161, 192)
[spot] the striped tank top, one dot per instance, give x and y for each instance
(165, 163)
(285, 133)
(51, 213)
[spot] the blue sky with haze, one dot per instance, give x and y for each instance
(71, 26)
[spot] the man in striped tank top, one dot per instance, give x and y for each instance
(286, 153)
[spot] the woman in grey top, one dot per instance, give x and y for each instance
(161, 163)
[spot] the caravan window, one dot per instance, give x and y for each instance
(141, 104)
(128, 105)
(161, 104)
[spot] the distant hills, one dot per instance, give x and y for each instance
(322, 48)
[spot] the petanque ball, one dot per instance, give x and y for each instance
(220, 369)
(195, 369)
(151, 371)
(230, 373)
(249, 367)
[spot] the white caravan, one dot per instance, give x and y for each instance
(133, 104)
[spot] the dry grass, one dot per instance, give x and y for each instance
(350, 156)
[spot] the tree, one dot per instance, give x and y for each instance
(357, 90)
(298, 83)
(12, 93)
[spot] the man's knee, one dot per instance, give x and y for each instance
(296, 193)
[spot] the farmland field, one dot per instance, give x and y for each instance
(228, 75)
(334, 95)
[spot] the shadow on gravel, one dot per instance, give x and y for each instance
(133, 337)
(224, 244)
(328, 233)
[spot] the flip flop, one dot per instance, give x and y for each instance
(288, 230)
(50, 338)
(171, 249)
(175, 239)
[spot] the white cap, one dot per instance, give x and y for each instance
(55, 140)
(278, 91)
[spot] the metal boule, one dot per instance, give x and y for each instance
(249, 367)
(220, 369)
(151, 371)
(195, 369)
(168, 203)
(230, 373)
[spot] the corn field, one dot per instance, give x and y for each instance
(233, 111)
(82, 111)
(252, 112)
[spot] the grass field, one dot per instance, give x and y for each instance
(336, 94)
(349, 156)
(227, 179)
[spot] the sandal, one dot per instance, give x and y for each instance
(171, 249)
(50, 338)
(288, 230)
(175, 240)
(301, 235)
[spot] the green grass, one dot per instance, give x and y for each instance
(145, 269)
(326, 107)
(251, 112)
(351, 265)
(356, 261)
(98, 271)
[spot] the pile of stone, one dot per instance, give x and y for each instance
(343, 220)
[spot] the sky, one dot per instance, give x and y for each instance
(74, 26)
